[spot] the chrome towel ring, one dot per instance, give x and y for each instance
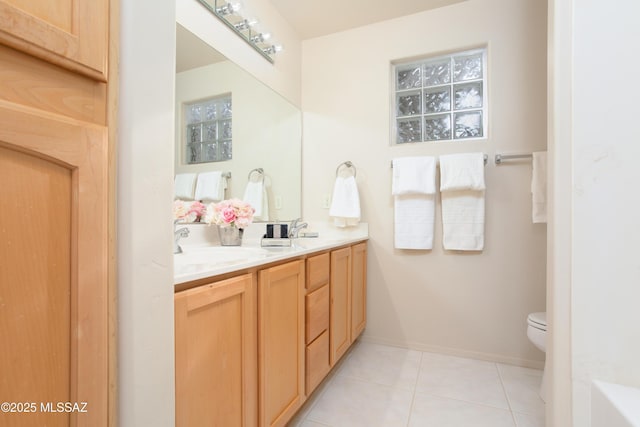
(259, 171)
(346, 164)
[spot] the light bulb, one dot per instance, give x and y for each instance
(261, 38)
(228, 9)
(272, 49)
(245, 24)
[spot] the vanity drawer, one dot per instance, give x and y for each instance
(317, 357)
(317, 271)
(316, 313)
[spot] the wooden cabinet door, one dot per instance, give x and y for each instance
(281, 342)
(53, 274)
(358, 289)
(215, 341)
(70, 33)
(340, 293)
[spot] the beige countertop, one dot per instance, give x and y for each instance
(202, 256)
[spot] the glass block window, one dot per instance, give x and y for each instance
(440, 98)
(208, 130)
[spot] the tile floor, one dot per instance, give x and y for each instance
(382, 386)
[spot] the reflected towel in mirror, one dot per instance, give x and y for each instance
(184, 186)
(210, 186)
(256, 195)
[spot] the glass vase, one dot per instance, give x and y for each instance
(230, 236)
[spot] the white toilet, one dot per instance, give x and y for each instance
(537, 333)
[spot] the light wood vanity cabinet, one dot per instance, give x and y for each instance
(250, 349)
(340, 303)
(358, 289)
(348, 297)
(317, 309)
(281, 342)
(216, 357)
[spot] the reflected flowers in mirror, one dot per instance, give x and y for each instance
(186, 211)
(230, 213)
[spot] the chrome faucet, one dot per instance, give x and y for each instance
(295, 227)
(177, 234)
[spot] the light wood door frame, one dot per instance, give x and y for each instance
(82, 149)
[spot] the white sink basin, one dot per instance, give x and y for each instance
(215, 256)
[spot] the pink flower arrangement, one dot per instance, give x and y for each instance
(188, 211)
(233, 212)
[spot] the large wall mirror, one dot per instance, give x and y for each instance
(266, 128)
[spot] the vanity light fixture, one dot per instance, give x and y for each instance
(229, 13)
(273, 49)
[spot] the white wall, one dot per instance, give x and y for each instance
(559, 398)
(468, 304)
(145, 187)
(144, 227)
(605, 266)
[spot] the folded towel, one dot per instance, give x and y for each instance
(462, 188)
(255, 194)
(463, 220)
(413, 188)
(210, 186)
(462, 172)
(539, 187)
(414, 175)
(345, 204)
(184, 185)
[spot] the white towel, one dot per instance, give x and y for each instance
(539, 187)
(210, 186)
(413, 188)
(414, 175)
(255, 194)
(414, 221)
(345, 203)
(462, 189)
(184, 185)
(462, 172)
(463, 220)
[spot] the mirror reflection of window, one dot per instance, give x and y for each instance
(266, 130)
(208, 136)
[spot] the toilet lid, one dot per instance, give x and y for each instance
(538, 320)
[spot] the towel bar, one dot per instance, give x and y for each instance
(485, 157)
(501, 157)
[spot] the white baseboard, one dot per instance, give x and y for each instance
(489, 357)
